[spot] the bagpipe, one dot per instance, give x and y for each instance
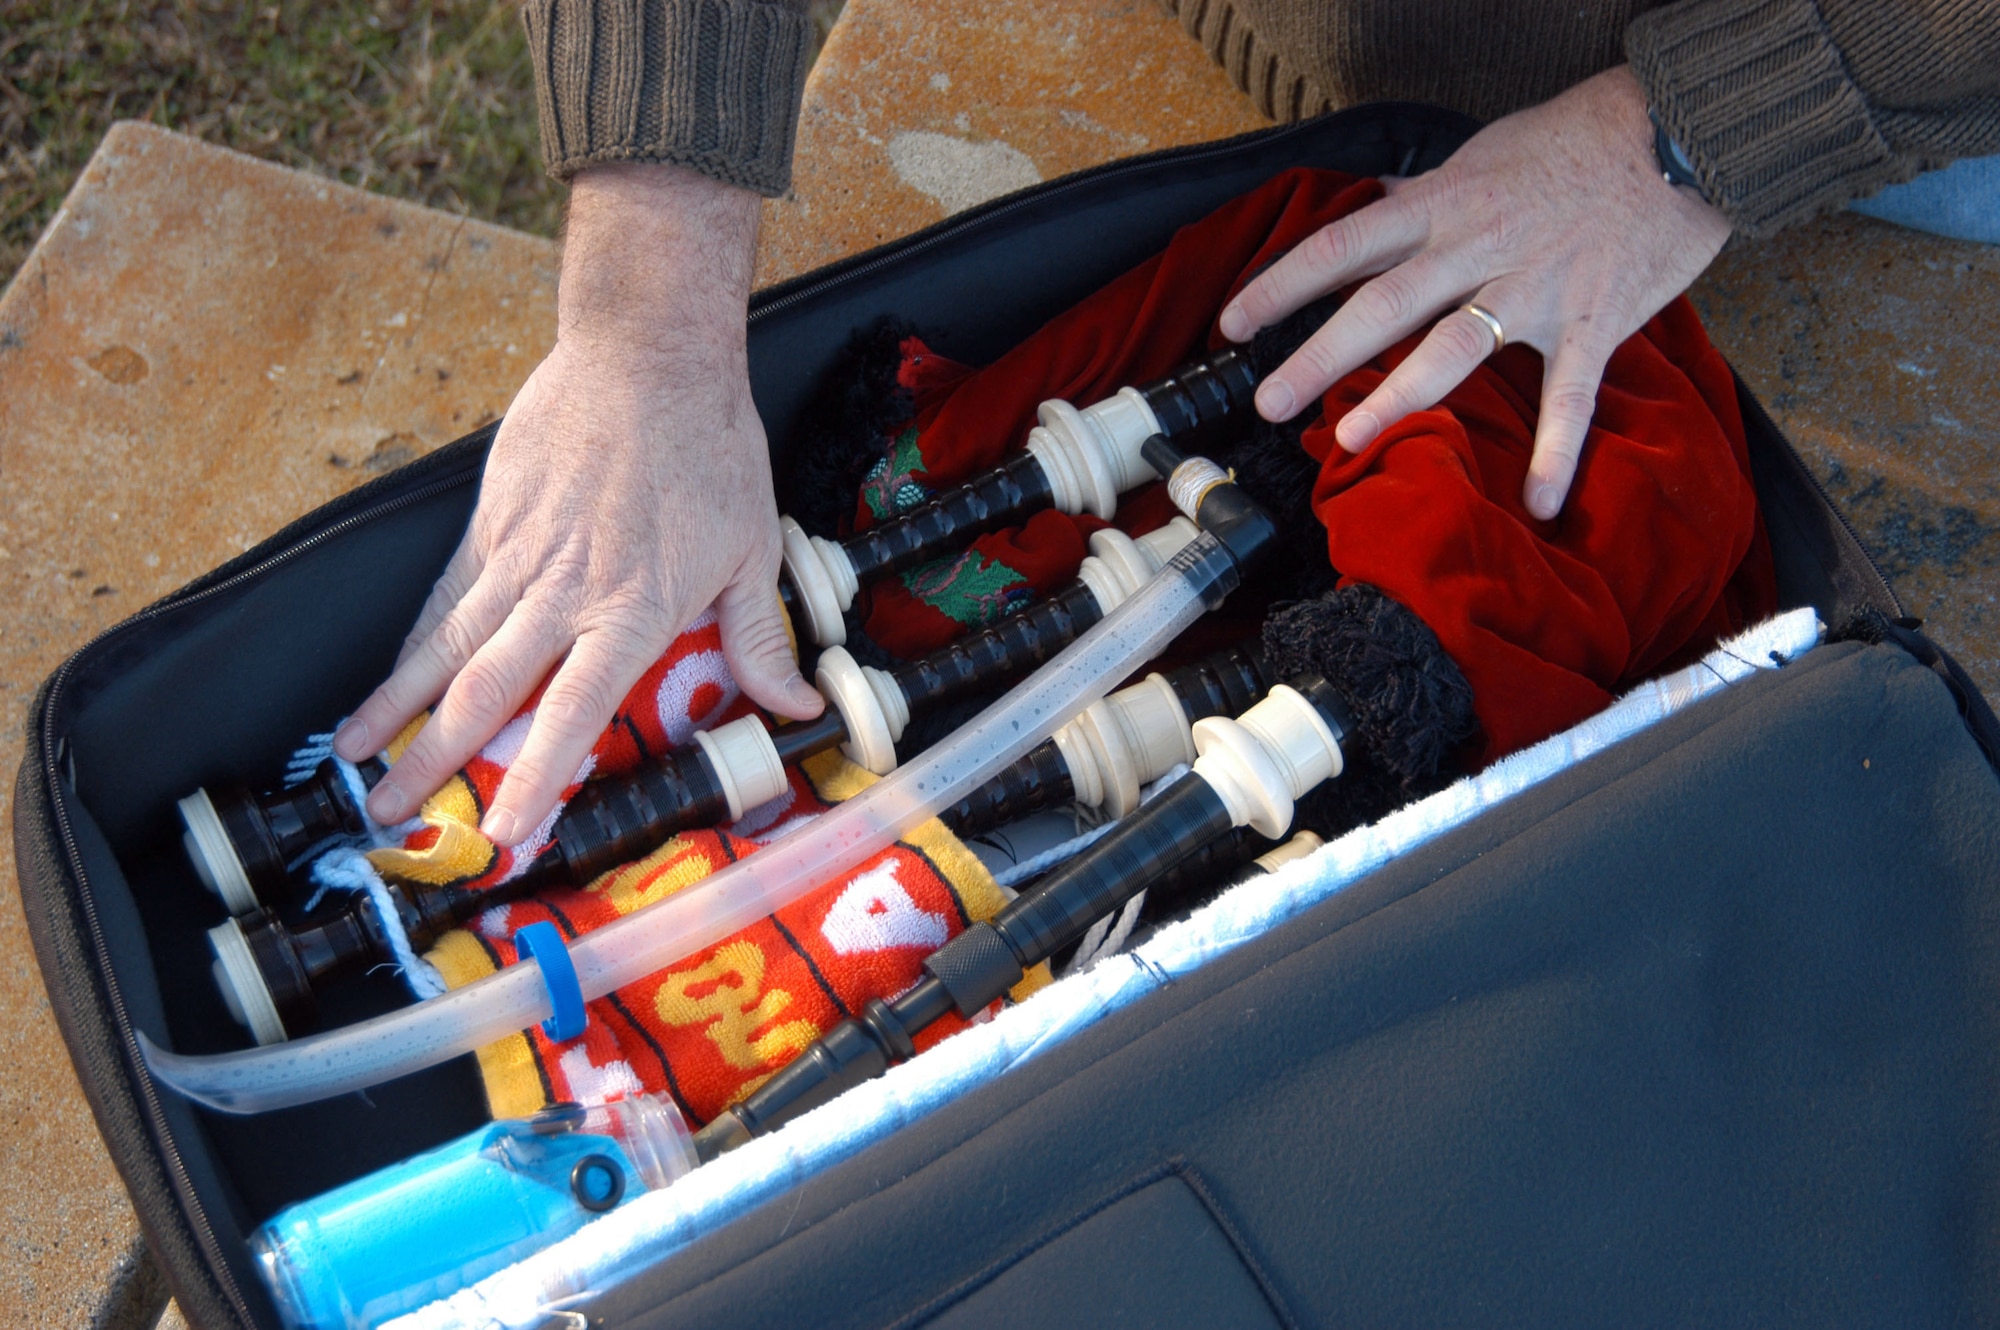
(244, 845)
(517, 1186)
(1406, 621)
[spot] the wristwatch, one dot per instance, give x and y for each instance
(1675, 167)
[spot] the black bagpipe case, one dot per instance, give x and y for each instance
(1704, 1030)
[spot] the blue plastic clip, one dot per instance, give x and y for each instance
(543, 943)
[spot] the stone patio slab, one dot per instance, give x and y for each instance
(1875, 348)
(201, 348)
(918, 110)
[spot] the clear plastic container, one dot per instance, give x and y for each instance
(420, 1230)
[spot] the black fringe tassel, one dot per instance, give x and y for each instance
(847, 426)
(1412, 706)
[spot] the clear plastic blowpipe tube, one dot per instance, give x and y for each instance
(650, 939)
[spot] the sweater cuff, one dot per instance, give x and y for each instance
(1761, 99)
(713, 85)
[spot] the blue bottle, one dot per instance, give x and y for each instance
(420, 1230)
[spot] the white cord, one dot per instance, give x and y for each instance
(349, 870)
(1096, 945)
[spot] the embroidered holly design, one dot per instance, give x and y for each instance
(968, 588)
(890, 488)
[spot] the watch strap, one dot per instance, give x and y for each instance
(1675, 167)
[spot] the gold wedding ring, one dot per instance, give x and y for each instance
(1485, 316)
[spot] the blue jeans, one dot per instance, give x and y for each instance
(1961, 201)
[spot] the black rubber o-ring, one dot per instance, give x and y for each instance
(578, 1183)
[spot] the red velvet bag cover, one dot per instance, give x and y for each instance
(1659, 550)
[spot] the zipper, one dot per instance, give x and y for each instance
(204, 1228)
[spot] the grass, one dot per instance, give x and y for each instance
(429, 102)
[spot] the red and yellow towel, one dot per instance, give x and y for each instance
(689, 688)
(710, 1029)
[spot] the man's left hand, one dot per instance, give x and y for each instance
(1555, 220)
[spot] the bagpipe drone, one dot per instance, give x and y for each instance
(1074, 461)
(243, 844)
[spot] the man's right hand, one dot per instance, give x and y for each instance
(627, 490)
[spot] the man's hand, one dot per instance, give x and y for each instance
(627, 490)
(1555, 220)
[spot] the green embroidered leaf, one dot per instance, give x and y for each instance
(890, 488)
(968, 588)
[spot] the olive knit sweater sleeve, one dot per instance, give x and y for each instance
(1787, 107)
(709, 84)
(1792, 107)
